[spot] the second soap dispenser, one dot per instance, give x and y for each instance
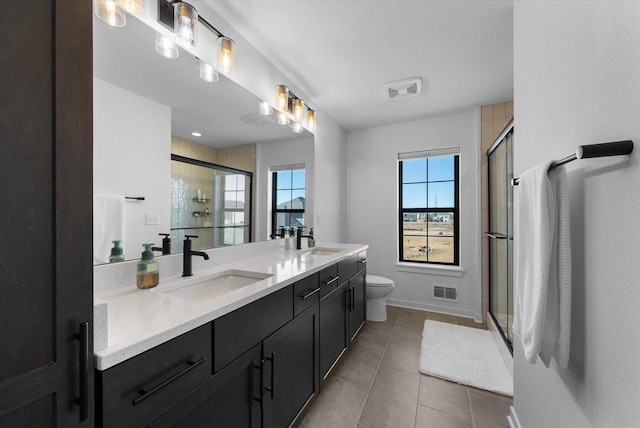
(148, 273)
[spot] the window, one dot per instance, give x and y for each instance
(288, 198)
(428, 208)
(236, 229)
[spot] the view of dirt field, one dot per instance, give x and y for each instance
(436, 247)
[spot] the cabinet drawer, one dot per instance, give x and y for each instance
(240, 330)
(137, 390)
(347, 268)
(329, 280)
(362, 260)
(306, 292)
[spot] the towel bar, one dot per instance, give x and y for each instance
(601, 150)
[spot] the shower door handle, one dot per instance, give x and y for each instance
(496, 236)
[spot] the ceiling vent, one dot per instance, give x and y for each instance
(403, 88)
(258, 120)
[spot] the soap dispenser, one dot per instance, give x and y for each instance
(116, 252)
(311, 242)
(148, 274)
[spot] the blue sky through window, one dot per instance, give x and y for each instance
(428, 181)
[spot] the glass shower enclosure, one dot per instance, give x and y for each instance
(210, 201)
(500, 235)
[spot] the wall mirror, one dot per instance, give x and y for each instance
(146, 108)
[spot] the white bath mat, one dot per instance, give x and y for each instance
(464, 355)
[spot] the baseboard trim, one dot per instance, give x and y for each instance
(434, 308)
(513, 419)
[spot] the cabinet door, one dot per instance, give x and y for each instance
(333, 328)
(357, 305)
(231, 398)
(291, 370)
(46, 290)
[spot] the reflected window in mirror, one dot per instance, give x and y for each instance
(210, 201)
(289, 195)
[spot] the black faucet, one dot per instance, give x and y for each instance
(166, 245)
(187, 253)
(299, 237)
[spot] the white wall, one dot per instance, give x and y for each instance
(577, 81)
(132, 157)
(277, 154)
(372, 192)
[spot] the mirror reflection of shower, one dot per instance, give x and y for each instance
(210, 201)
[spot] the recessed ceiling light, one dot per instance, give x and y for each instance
(196, 134)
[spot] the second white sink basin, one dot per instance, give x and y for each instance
(324, 251)
(215, 285)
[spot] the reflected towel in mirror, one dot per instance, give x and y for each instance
(108, 224)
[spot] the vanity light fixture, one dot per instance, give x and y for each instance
(311, 120)
(226, 60)
(185, 23)
(265, 108)
(166, 47)
(208, 73)
(196, 134)
(282, 98)
(283, 119)
(183, 19)
(297, 127)
(291, 106)
(298, 110)
(110, 13)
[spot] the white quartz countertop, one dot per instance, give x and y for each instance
(139, 320)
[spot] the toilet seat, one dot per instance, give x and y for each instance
(378, 281)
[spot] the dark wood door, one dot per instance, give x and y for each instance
(46, 269)
(358, 304)
(291, 371)
(333, 328)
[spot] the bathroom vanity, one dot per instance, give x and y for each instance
(240, 344)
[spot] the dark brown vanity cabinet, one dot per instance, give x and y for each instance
(136, 391)
(333, 328)
(291, 369)
(257, 366)
(231, 398)
(353, 271)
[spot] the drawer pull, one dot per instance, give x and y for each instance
(363, 261)
(146, 394)
(353, 298)
(311, 293)
(85, 364)
(331, 281)
(273, 369)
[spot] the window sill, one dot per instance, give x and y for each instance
(432, 270)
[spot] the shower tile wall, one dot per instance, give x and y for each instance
(494, 118)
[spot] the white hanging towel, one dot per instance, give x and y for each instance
(542, 301)
(108, 224)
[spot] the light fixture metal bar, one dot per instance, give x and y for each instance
(165, 16)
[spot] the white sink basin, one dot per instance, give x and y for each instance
(214, 285)
(323, 251)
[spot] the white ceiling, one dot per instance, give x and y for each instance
(341, 52)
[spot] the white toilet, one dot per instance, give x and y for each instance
(378, 287)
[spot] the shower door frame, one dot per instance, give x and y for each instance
(502, 139)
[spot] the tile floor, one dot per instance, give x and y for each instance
(378, 384)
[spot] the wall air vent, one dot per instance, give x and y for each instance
(442, 292)
(403, 88)
(258, 120)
